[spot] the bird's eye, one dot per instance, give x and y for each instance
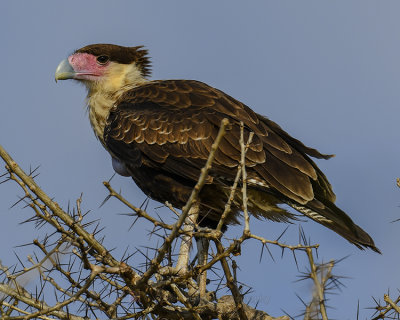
(102, 59)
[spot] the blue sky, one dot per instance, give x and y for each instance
(327, 71)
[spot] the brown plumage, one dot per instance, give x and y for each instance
(161, 132)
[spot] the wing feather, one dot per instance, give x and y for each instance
(173, 124)
(168, 127)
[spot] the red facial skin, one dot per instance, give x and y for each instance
(86, 66)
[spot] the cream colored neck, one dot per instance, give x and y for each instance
(103, 94)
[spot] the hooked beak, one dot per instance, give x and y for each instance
(65, 71)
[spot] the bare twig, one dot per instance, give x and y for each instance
(97, 282)
(188, 228)
(141, 213)
(319, 284)
(243, 148)
(391, 303)
(230, 281)
(390, 311)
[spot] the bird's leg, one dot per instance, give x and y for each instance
(202, 255)
(188, 227)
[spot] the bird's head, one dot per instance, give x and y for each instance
(106, 65)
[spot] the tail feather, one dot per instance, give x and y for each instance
(330, 216)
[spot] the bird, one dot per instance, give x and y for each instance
(160, 133)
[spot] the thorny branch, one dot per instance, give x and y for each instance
(391, 309)
(320, 276)
(87, 280)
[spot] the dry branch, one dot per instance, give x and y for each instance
(93, 281)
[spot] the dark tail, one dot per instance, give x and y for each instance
(329, 215)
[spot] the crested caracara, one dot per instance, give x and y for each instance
(159, 132)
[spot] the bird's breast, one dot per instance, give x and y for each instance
(99, 109)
